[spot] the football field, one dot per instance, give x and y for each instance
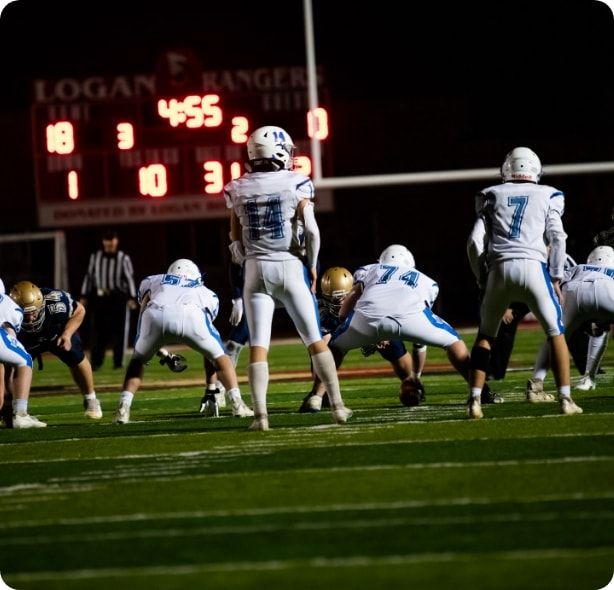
(399, 497)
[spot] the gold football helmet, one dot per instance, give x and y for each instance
(29, 297)
(335, 284)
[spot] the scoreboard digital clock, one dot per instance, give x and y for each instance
(142, 154)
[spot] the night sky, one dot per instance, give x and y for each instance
(410, 89)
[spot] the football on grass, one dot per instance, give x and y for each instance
(410, 393)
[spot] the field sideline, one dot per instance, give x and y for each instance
(411, 497)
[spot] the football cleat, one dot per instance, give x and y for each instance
(342, 415)
(535, 393)
(311, 404)
(23, 420)
(569, 407)
(175, 362)
(473, 411)
(122, 414)
(92, 409)
(239, 407)
(586, 383)
(490, 397)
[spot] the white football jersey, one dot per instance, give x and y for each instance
(10, 312)
(588, 273)
(519, 217)
(167, 290)
(391, 290)
(266, 204)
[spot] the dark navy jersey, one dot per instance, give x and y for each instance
(328, 321)
(59, 307)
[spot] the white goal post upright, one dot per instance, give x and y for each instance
(408, 177)
(60, 261)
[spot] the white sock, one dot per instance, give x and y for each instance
(565, 391)
(258, 374)
(324, 367)
(126, 398)
(20, 406)
(89, 396)
(596, 348)
(476, 393)
(234, 394)
(542, 363)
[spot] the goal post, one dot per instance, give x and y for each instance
(39, 257)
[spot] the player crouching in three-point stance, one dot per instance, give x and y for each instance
(270, 205)
(522, 218)
(51, 319)
(176, 308)
(393, 302)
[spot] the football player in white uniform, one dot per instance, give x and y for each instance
(522, 218)
(393, 302)
(269, 203)
(588, 301)
(176, 308)
(14, 355)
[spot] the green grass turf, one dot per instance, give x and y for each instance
(405, 497)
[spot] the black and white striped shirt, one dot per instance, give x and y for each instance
(109, 273)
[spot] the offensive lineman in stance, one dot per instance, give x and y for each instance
(268, 203)
(176, 308)
(51, 319)
(393, 302)
(521, 218)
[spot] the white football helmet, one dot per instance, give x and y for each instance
(602, 255)
(521, 164)
(397, 254)
(185, 268)
(273, 144)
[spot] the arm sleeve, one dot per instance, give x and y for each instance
(557, 239)
(312, 235)
(476, 249)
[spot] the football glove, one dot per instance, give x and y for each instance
(175, 362)
(237, 312)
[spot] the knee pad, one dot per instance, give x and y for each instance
(480, 358)
(388, 329)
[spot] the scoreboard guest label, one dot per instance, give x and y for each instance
(162, 146)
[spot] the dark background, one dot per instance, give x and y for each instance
(411, 89)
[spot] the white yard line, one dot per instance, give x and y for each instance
(311, 509)
(308, 525)
(315, 562)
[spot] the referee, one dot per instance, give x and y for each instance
(108, 291)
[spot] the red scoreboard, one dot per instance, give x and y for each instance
(122, 150)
